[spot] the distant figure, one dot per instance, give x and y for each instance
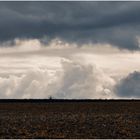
(50, 98)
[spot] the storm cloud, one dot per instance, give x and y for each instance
(129, 86)
(115, 23)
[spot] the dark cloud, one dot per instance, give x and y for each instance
(130, 86)
(117, 23)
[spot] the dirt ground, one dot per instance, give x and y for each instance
(96, 119)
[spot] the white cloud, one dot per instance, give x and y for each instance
(83, 81)
(62, 70)
(74, 81)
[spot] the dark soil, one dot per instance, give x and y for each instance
(93, 119)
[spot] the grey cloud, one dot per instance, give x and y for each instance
(129, 87)
(116, 23)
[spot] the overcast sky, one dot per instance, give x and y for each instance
(116, 23)
(70, 50)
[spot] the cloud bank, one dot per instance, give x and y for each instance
(76, 81)
(62, 70)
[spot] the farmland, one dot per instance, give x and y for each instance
(70, 119)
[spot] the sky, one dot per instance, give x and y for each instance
(70, 50)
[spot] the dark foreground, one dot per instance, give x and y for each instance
(70, 119)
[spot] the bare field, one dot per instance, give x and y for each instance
(94, 119)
